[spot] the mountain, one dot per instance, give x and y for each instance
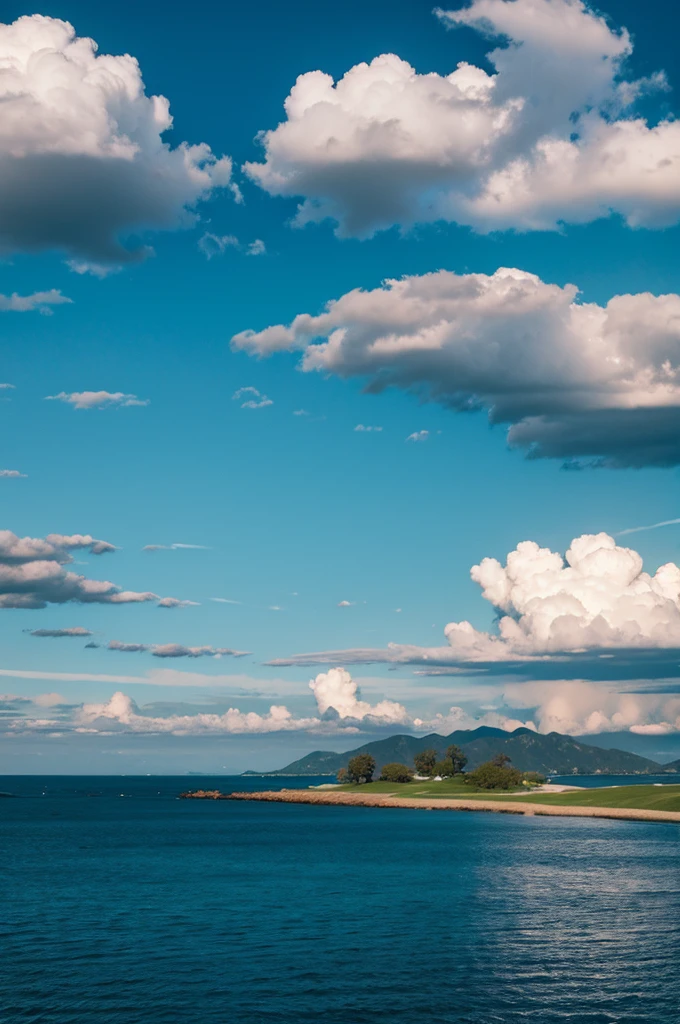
(674, 766)
(553, 754)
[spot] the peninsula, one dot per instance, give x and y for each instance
(633, 803)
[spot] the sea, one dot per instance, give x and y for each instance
(121, 904)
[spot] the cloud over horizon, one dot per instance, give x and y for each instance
(594, 611)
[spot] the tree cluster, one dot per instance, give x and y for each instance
(498, 773)
(427, 762)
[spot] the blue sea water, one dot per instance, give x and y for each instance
(122, 905)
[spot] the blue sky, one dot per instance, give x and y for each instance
(293, 514)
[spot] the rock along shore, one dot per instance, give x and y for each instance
(305, 796)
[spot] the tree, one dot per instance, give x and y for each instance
(425, 761)
(444, 768)
(459, 759)
(500, 760)
(342, 776)
(360, 769)
(396, 772)
(494, 776)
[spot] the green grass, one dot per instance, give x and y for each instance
(653, 798)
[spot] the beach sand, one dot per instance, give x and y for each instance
(306, 796)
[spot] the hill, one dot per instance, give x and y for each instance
(674, 766)
(553, 754)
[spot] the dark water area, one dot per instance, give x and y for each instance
(144, 909)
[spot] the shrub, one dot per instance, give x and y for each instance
(534, 778)
(494, 776)
(343, 776)
(395, 772)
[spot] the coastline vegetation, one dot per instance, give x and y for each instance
(496, 774)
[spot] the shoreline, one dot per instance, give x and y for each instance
(304, 796)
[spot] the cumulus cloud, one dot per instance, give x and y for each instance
(361, 429)
(82, 157)
(69, 631)
(595, 608)
(97, 399)
(572, 379)
(256, 248)
(345, 604)
(257, 401)
(581, 708)
(124, 712)
(33, 573)
(419, 435)
(12, 474)
(42, 301)
(551, 136)
(175, 602)
(336, 691)
(7, 387)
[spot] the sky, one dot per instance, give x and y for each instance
(340, 379)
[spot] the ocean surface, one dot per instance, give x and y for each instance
(120, 904)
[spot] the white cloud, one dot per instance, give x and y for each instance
(32, 573)
(579, 708)
(12, 474)
(335, 690)
(97, 399)
(82, 156)
(300, 412)
(122, 710)
(345, 604)
(42, 301)
(258, 400)
(643, 529)
(550, 136)
(175, 547)
(224, 600)
(596, 603)
(419, 435)
(48, 700)
(361, 429)
(76, 631)
(7, 387)
(215, 245)
(572, 379)
(175, 602)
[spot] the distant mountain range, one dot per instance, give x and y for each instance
(553, 754)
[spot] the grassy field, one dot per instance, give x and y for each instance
(657, 798)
